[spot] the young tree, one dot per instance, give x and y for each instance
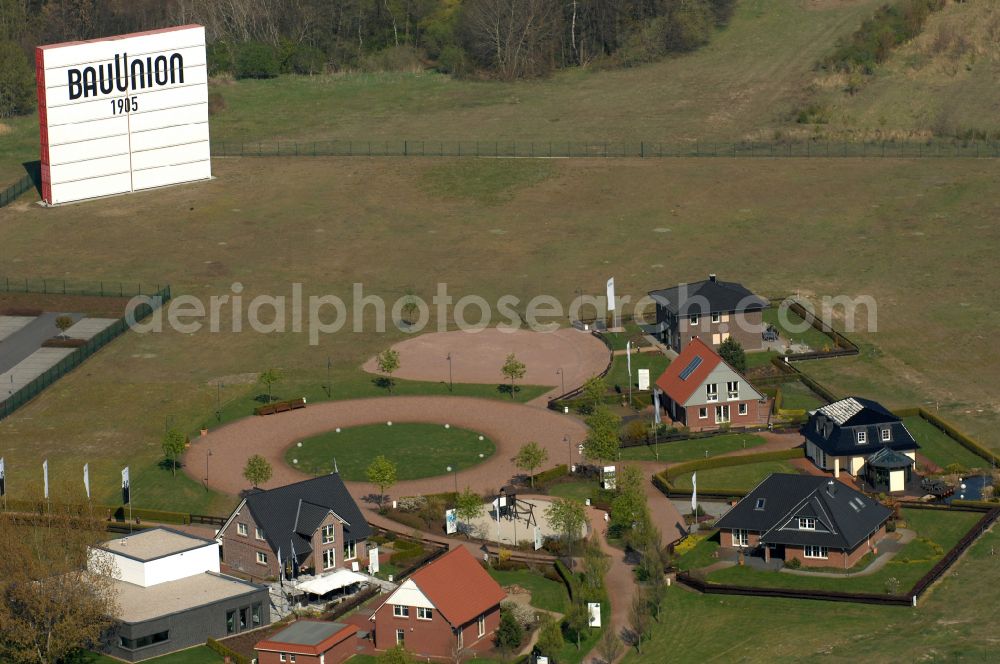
(550, 638)
(594, 390)
(51, 605)
(268, 378)
(567, 517)
(602, 442)
(610, 646)
(628, 507)
(257, 471)
(63, 323)
(732, 352)
(513, 369)
(410, 306)
(173, 445)
(595, 566)
(468, 507)
(638, 618)
(531, 456)
(577, 621)
(396, 655)
(17, 82)
(382, 473)
(509, 633)
(388, 363)
(656, 592)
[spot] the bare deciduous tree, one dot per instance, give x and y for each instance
(513, 37)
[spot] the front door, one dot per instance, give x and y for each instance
(721, 414)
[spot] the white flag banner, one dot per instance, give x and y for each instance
(126, 487)
(656, 406)
(86, 479)
(628, 360)
(3, 478)
(611, 294)
(45, 476)
(538, 538)
(373, 564)
(450, 522)
(694, 493)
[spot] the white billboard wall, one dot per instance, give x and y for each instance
(123, 114)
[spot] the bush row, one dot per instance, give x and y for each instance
(546, 477)
(890, 26)
(727, 461)
(226, 653)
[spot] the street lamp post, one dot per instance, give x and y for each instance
(218, 402)
(455, 469)
(451, 384)
(562, 379)
(329, 384)
(569, 452)
(207, 457)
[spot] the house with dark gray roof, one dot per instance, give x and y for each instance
(309, 642)
(710, 310)
(817, 520)
(311, 526)
(863, 438)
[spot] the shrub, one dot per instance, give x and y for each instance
(892, 586)
(303, 59)
(522, 613)
(411, 503)
(220, 58)
(226, 652)
(546, 477)
(57, 342)
(216, 103)
(794, 563)
(257, 60)
(509, 633)
(17, 81)
(890, 26)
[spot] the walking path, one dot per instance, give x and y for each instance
(619, 581)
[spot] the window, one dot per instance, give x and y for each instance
(329, 558)
(703, 413)
(329, 534)
(716, 318)
(760, 503)
(712, 392)
(862, 438)
(231, 622)
(283, 657)
(291, 658)
(144, 641)
(693, 320)
(721, 414)
(255, 611)
(350, 550)
(886, 435)
(258, 533)
(481, 625)
(807, 523)
(261, 558)
(244, 618)
(740, 537)
(400, 637)
(813, 551)
(743, 409)
(241, 529)
(424, 614)
(733, 387)
(400, 611)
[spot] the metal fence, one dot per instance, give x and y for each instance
(88, 288)
(8, 195)
(567, 149)
(78, 355)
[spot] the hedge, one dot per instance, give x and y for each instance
(225, 651)
(546, 476)
(121, 513)
(976, 504)
(959, 436)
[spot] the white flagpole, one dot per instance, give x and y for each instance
(694, 495)
(3, 482)
(628, 362)
(45, 476)
(611, 301)
(86, 479)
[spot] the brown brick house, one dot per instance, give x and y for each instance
(701, 391)
(313, 526)
(447, 605)
(709, 310)
(819, 521)
(309, 642)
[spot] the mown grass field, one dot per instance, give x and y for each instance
(546, 594)
(330, 223)
(417, 449)
(940, 448)
(688, 450)
(743, 477)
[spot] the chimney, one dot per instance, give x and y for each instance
(711, 277)
(831, 488)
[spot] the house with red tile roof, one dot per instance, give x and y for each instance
(701, 391)
(309, 642)
(448, 605)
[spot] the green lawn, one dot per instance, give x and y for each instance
(743, 477)
(196, 655)
(546, 594)
(936, 533)
(700, 555)
(655, 362)
(796, 396)
(418, 449)
(760, 358)
(688, 450)
(579, 490)
(794, 331)
(939, 447)
(634, 333)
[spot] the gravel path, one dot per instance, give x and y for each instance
(508, 425)
(476, 357)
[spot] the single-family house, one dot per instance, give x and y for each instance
(703, 392)
(710, 310)
(309, 642)
(310, 526)
(449, 605)
(819, 521)
(170, 595)
(863, 438)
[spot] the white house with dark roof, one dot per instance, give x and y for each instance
(171, 596)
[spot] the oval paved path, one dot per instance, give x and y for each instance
(508, 425)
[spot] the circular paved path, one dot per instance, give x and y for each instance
(508, 425)
(476, 357)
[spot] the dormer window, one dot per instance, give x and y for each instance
(862, 437)
(712, 392)
(329, 533)
(886, 435)
(760, 504)
(807, 523)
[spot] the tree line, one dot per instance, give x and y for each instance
(505, 39)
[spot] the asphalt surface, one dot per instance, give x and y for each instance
(28, 339)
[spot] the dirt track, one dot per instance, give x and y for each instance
(476, 357)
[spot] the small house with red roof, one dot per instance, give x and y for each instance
(448, 605)
(701, 391)
(309, 642)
